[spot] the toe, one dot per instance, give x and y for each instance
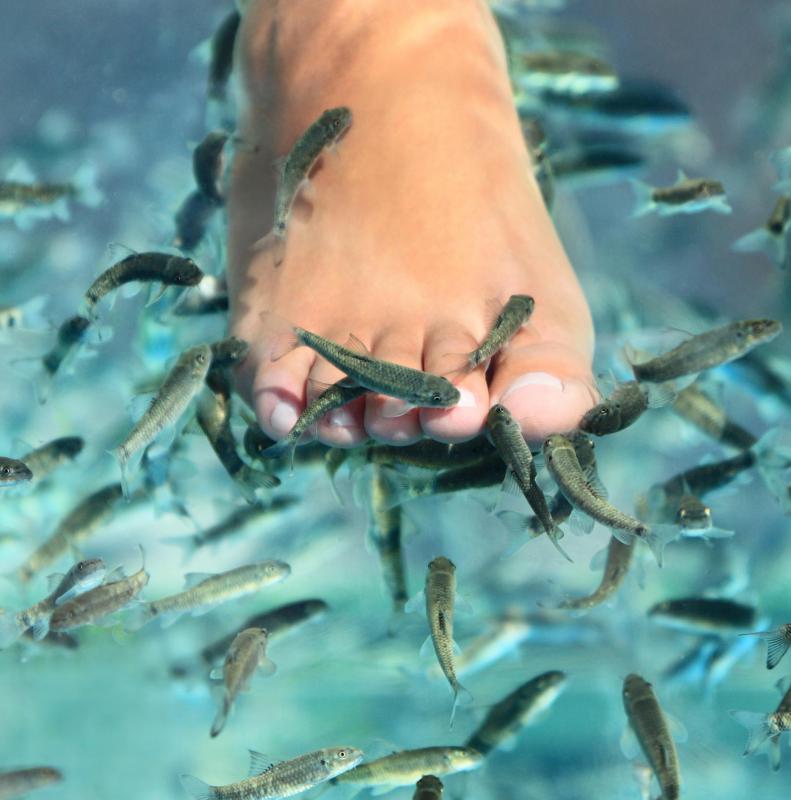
(445, 350)
(547, 386)
(404, 348)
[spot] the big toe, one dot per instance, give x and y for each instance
(547, 386)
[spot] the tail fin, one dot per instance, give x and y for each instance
(9, 630)
(280, 334)
(776, 645)
(758, 728)
(278, 449)
(197, 788)
(460, 695)
(139, 616)
(657, 537)
(773, 453)
(644, 198)
(762, 241)
(222, 716)
(251, 480)
(85, 182)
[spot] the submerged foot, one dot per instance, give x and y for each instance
(413, 230)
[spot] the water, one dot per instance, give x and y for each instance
(122, 86)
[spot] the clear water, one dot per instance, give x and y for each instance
(121, 85)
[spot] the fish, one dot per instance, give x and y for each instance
(778, 641)
(694, 519)
(214, 418)
(766, 728)
(269, 780)
(24, 315)
(563, 71)
(515, 313)
(696, 406)
(772, 237)
(650, 726)
(535, 139)
(617, 564)
(14, 471)
(149, 267)
(25, 200)
(415, 387)
(562, 463)
(221, 55)
(704, 615)
(335, 396)
(406, 767)
(277, 622)
(685, 196)
(181, 384)
(210, 296)
(507, 437)
(43, 461)
(430, 454)
(518, 709)
(192, 220)
(208, 165)
(246, 654)
(70, 335)
(73, 530)
(588, 165)
(706, 350)
(429, 787)
(228, 352)
(206, 591)
(623, 407)
(440, 596)
(98, 603)
(21, 781)
(84, 575)
(294, 170)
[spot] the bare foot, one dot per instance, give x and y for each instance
(423, 219)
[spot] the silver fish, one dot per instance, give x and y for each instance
(44, 460)
(697, 407)
(771, 238)
(21, 781)
(616, 567)
(778, 641)
(14, 471)
(685, 196)
(515, 313)
(208, 165)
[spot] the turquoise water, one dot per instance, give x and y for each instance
(122, 86)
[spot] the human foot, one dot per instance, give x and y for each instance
(424, 218)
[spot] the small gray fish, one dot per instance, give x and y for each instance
(84, 575)
(694, 519)
(706, 350)
(221, 55)
(21, 781)
(246, 654)
(704, 615)
(283, 779)
(70, 334)
(624, 406)
(406, 767)
(277, 622)
(214, 418)
(651, 729)
(228, 352)
(208, 165)
(616, 567)
(429, 787)
(205, 592)
(73, 530)
(440, 595)
(771, 238)
(295, 169)
(164, 268)
(413, 386)
(430, 454)
(181, 384)
(333, 397)
(564, 72)
(512, 447)
(14, 471)
(516, 312)
(210, 296)
(778, 641)
(192, 220)
(543, 171)
(562, 463)
(44, 460)
(762, 728)
(517, 710)
(699, 408)
(98, 603)
(685, 196)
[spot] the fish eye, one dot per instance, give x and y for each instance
(341, 754)
(436, 397)
(6, 470)
(201, 358)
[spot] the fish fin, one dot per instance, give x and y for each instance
(9, 630)
(782, 684)
(774, 752)
(137, 617)
(713, 532)
(53, 580)
(762, 241)
(757, 725)
(643, 195)
(197, 788)
(630, 747)
(580, 523)
(400, 487)
(280, 333)
(415, 602)
(217, 674)
(660, 394)
(130, 290)
(720, 205)
(394, 407)
(634, 355)
(681, 176)
(267, 667)
(657, 537)
(194, 578)
(356, 346)
(776, 646)
(382, 788)
(40, 628)
(676, 728)
(259, 763)
(171, 617)
(84, 181)
(427, 648)
(221, 717)
(596, 486)
(599, 559)
(155, 293)
(116, 574)
(773, 454)
(462, 604)
(21, 172)
(128, 468)
(460, 697)
(249, 481)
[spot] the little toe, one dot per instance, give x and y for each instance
(445, 354)
(547, 386)
(383, 418)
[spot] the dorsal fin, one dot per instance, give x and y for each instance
(356, 346)
(260, 763)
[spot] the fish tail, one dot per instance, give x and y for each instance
(555, 534)
(774, 752)
(128, 464)
(660, 394)
(762, 241)
(88, 192)
(139, 616)
(657, 537)
(757, 725)
(281, 336)
(643, 195)
(279, 449)
(40, 628)
(222, 716)
(9, 630)
(773, 455)
(197, 788)
(251, 480)
(460, 696)
(776, 646)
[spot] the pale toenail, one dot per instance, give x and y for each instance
(466, 398)
(283, 418)
(341, 418)
(534, 379)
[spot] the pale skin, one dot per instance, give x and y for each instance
(415, 228)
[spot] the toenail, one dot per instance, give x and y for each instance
(283, 418)
(466, 398)
(534, 379)
(341, 418)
